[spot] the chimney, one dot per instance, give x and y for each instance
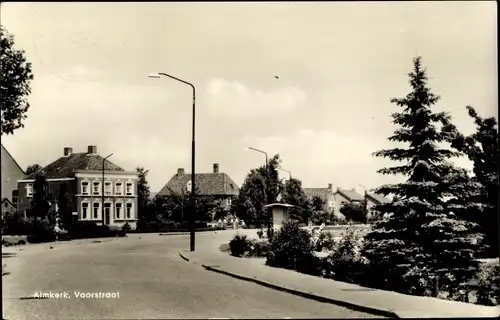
(216, 168)
(330, 186)
(68, 151)
(180, 171)
(92, 150)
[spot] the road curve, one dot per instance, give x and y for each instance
(152, 282)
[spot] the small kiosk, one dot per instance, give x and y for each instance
(279, 213)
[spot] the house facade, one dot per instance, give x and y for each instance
(326, 194)
(11, 172)
(82, 175)
(372, 200)
(215, 184)
(343, 196)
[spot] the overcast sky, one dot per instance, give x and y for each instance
(338, 65)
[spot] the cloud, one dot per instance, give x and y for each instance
(231, 98)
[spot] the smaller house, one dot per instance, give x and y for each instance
(11, 172)
(325, 194)
(215, 184)
(373, 200)
(343, 196)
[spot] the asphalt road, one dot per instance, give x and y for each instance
(152, 281)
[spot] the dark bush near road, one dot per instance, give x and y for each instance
(291, 248)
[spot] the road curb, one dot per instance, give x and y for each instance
(183, 257)
(308, 295)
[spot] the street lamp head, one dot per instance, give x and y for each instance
(154, 75)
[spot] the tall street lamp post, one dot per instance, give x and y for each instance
(193, 185)
(102, 188)
(266, 190)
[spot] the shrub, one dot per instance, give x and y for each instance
(290, 247)
(40, 230)
(257, 248)
(13, 224)
(260, 233)
(270, 234)
(487, 283)
(345, 262)
(238, 245)
(326, 241)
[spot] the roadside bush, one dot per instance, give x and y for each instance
(345, 262)
(290, 247)
(40, 230)
(238, 245)
(487, 283)
(326, 241)
(257, 248)
(260, 233)
(13, 225)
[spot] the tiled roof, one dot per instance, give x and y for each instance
(206, 183)
(351, 195)
(319, 192)
(377, 198)
(66, 166)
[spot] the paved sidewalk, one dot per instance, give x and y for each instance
(383, 303)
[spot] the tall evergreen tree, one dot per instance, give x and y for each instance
(143, 200)
(63, 203)
(40, 205)
(481, 148)
(422, 240)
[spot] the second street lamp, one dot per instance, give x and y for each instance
(193, 149)
(266, 189)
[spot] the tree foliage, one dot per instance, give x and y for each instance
(422, 239)
(294, 194)
(258, 189)
(64, 208)
(318, 212)
(481, 148)
(354, 211)
(33, 168)
(40, 205)
(143, 201)
(15, 77)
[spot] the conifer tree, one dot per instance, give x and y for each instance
(422, 240)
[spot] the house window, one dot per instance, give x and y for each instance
(85, 188)
(128, 189)
(118, 188)
(15, 195)
(118, 210)
(107, 188)
(96, 210)
(129, 210)
(96, 188)
(85, 209)
(29, 190)
(228, 201)
(107, 210)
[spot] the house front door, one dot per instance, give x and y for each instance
(107, 213)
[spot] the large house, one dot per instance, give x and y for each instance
(83, 175)
(11, 173)
(326, 194)
(216, 184)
